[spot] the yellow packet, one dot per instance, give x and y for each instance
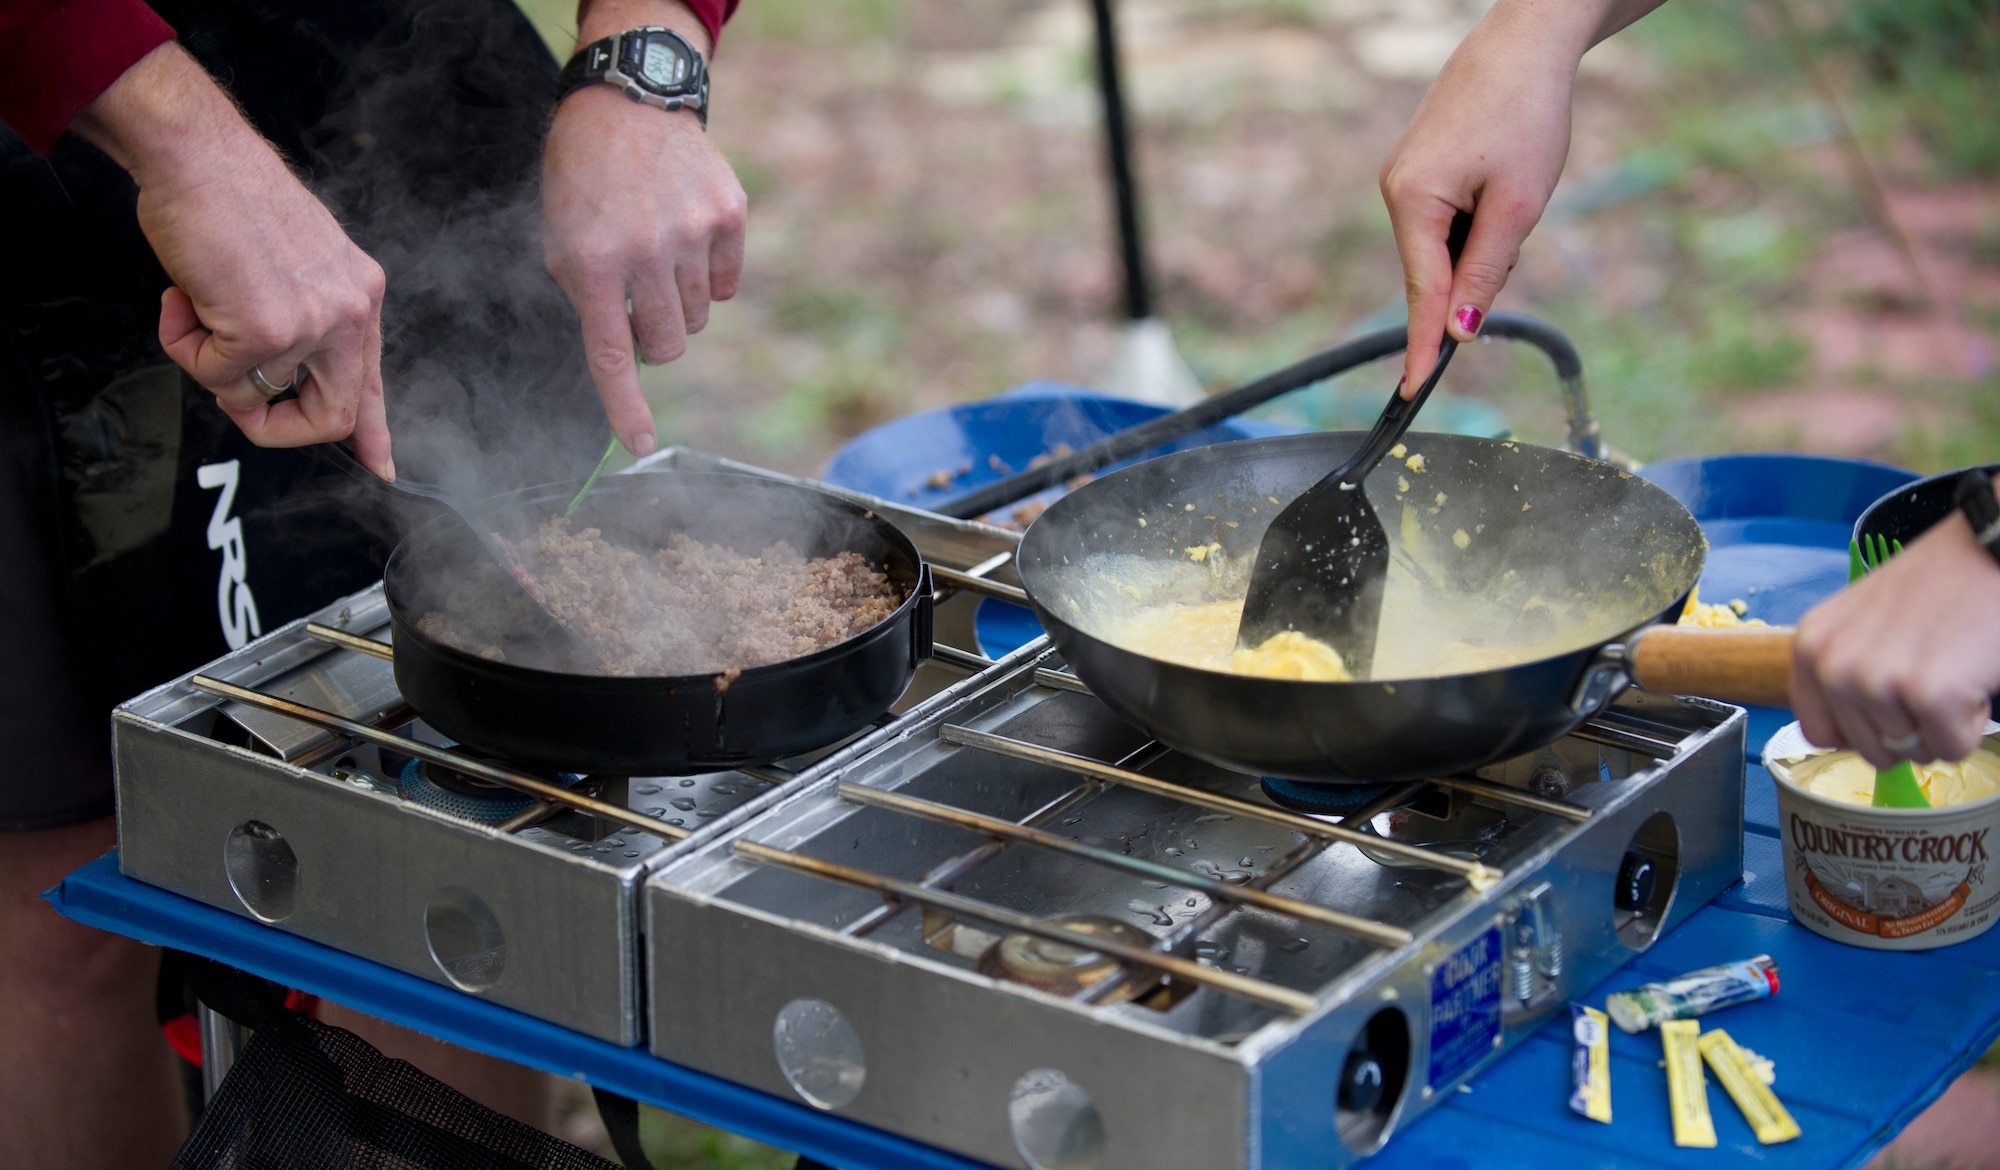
(1590, 1063)
(1687, 1089)
(1761, 1108)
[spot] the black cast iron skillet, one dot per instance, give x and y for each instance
(537, 715)
(1587, 527)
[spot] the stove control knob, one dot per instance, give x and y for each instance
(1634, 890)
(1361, 1082)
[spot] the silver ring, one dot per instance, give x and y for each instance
(266, 387)
(1902, 745)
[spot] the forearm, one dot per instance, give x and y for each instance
(1567, 27)
(166, 121)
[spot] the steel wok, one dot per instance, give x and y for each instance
(575, 722)
(1605, 533)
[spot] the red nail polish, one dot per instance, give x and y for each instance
(1469, 318)
(1402, 382)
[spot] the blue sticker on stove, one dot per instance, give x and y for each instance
(1465, 1008)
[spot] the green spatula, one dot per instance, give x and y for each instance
(1895, 787)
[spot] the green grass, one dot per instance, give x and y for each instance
(675, 1143)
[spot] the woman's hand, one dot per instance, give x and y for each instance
(1900, 665)
(1489, 139)
(263, 277)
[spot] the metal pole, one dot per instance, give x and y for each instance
(221, 1040)
(1138, 295)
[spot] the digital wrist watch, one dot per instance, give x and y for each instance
(653, 65)
(1974, 497)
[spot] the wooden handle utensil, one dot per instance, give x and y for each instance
(1750, 665)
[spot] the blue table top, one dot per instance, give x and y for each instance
(1863, 1040)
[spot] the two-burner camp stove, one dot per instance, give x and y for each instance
(1002, 922)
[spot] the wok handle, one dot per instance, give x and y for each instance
(1744, 665)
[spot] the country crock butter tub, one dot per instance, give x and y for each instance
(1902, 879)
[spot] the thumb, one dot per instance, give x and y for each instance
(182, 334)
(1491, 249)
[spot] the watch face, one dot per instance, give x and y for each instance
(663, 66)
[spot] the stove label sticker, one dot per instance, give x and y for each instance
(1465, 1008)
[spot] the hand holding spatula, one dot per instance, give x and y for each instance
(1323, 562)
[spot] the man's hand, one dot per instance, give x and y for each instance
(264, 278)
(643, 222)
(1913, 648)
(1489, 139)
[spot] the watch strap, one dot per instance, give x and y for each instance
(1974, 496)
(588, 65)
(600, 61)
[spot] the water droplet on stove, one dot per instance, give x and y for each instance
(631, 853)
(1193, 844)
(1172, 852)
(723, 789)
(683, 803)
(1246, 863)
(647, 789)
(688, 783)
(604, 848)
(708, 812)
(1157, 885)
(677, 821)
(1293, 946)
(1190, 901)
(1071, 820)
(656, 810)
(616, 842)
(1241, 970)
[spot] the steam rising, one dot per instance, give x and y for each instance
(431, 157)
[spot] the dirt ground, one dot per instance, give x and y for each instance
(930, 223)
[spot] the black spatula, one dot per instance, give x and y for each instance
(1324, 560)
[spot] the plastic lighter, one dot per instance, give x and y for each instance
(1696, 993)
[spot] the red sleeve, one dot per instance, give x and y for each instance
(56, 56)
(711, 14)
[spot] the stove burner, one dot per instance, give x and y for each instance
(1324, 799)
(1061, 969)
(453, 792)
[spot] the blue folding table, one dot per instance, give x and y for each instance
(1863, 1040)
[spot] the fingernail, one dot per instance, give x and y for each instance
(642, 444)
(389, 471)
(1469, 318)
(1402, 382)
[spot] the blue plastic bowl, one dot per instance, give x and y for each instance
(995, 438)
(1777, 524)
(990, 440)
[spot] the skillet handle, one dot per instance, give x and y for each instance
(1752, 666)
(923, 621)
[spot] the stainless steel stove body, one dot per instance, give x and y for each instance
(1285, 997)
(337, 833)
